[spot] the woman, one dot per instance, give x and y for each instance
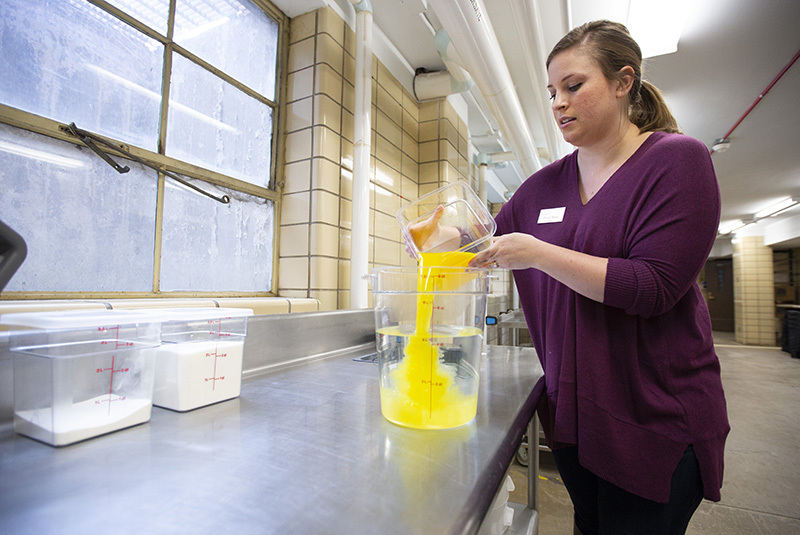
(606, 245)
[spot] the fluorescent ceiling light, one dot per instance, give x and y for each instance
(657, 25)
(778, 207)
(746, 225)
(729, 226)
(40, 155)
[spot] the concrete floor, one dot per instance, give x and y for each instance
(761, 488)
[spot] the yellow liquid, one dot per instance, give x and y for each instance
(423, 394)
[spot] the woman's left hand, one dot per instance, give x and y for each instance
(510, 251)
(583, 273)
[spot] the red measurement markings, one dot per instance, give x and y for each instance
(217, 355)
(429, 341)
(111, 397)
(431, 382)
(116, 343)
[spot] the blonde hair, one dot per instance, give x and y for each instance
(612, 47)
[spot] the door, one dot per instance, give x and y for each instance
(719, 277)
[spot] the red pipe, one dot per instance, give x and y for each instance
(762, 95)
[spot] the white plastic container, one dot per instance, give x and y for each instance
(81, 373)
(500, 516)
(200, 359)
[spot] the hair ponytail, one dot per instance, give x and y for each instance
(649, 112)
(611, 45)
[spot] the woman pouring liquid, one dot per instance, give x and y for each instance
(606, 245)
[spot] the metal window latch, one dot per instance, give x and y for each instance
(90, 140)
(80, 134)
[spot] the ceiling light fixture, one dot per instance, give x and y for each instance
(657, 26)
(729, 226)
(777, 208)
(721, 144)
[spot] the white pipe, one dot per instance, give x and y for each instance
(467, 24)
(493, 182)
(449, 55)
(527, 18)
(433, 85)
(498, 157)
(359, 245)
(566, 16)
(482, 183)
(439, 84)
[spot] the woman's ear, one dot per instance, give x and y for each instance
(626, 78)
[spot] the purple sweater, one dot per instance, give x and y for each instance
(633, 380)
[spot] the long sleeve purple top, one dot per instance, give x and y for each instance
(634, 380)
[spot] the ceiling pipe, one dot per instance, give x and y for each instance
(483, 158)
(490, 180)
(483, 161)
(482, 195)
(566, 16)
(440, 84)
(359, 232)
(442, 43)
(761, 95)
(529, 28)
(468, 25)
(443, 47)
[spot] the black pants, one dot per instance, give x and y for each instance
(602, 508)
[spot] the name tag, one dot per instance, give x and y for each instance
(552, 215)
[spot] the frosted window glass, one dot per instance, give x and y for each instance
(208, 246)
(215, 125)
(87, 227)
(235, 36)
(152, 13)
(71, 62)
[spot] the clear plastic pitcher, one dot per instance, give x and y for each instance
(429, 333)
(463, 210)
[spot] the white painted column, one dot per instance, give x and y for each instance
(359, 246)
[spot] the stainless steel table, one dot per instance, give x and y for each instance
(302, 450)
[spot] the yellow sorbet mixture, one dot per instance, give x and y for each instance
(423, 395)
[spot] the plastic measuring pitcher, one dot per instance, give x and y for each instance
(463, 210)
(429, 334)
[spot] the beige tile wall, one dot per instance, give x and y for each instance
(415, 147)
(443, 147)
(753, 291)
(317, 195)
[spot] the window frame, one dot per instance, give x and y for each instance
(54, 129)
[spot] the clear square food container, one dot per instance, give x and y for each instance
(200, 359)
(79, 374)
(463, 210)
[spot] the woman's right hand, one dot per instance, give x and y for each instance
(431, 236)
(426, 231)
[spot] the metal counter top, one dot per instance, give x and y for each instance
(302, 450)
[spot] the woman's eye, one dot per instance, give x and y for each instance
(575, 87)
(552, 96)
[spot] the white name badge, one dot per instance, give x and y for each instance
(552, 215)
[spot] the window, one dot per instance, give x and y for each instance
(186, 87)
